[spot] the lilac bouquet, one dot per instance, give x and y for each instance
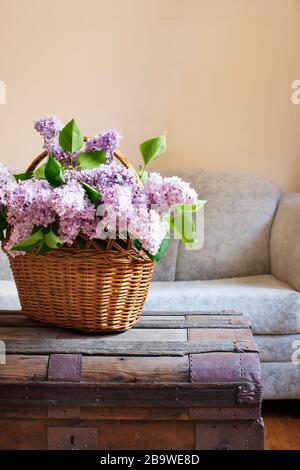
(81, 192)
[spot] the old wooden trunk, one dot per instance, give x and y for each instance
(179, 381)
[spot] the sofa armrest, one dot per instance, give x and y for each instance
(285, 241)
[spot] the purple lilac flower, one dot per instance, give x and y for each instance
(105, 176)
(84, 222)
(19, 232)
(108, 141)
(53, 148)
(28, 204)
(30, 200)
(7, 183)
(148, 227)
(68, 199)
(48, 126)
(119, 197)
(75, 211)
(165, 192)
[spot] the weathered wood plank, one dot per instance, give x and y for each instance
(158, 313)
(101, 369)
(212, 312)
(28, 333)
(212, 334)
(192, 321)
(135, 369)
(163, 334)
(22, 434)
(233, 321)
(134, 334)
(122, 348)
(146, 318)
(123, 394)
(18, 320)
(132, 413)
(222, 322)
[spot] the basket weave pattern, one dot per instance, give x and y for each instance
(90, 289)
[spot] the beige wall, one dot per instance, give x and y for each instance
(214, 74)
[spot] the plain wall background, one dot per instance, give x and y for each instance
(215, 75)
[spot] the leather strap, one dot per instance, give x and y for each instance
(64, 367)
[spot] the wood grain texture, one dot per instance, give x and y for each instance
(282, 425)
(101, 369)
(222, 313)
(160, 322)
(158, 313)
(229, 435)
(119, 394)
(148, 435)
(31, 333)
(92, 347)
(227, 334)
(13, 332)
(129, 413)
(112, 435)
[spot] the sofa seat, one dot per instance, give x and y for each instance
(272, 307)
(9, 299)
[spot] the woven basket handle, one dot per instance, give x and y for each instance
(118, 155)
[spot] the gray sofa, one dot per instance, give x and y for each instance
(250, 261)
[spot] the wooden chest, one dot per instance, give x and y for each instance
(175, 381)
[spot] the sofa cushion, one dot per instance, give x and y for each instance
(5, 271)
(272, 306)
(281, 381)
(238, 219)
(165, 269)
(9, 299)
(277, 348)
(285, 241)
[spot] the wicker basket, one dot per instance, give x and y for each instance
(90, 289)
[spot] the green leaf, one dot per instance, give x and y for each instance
(136, 244)
(23, 176)
(29, 243)
(42, 249)
(71, 138)
(144, 175)
(153, 148)
(91, 160)
(40, 172)
(36, 228)
(190, 207)
(3, 225)
(91, 192)
(52, 240)
(162, 250)
(54, 172)
(179, 223)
